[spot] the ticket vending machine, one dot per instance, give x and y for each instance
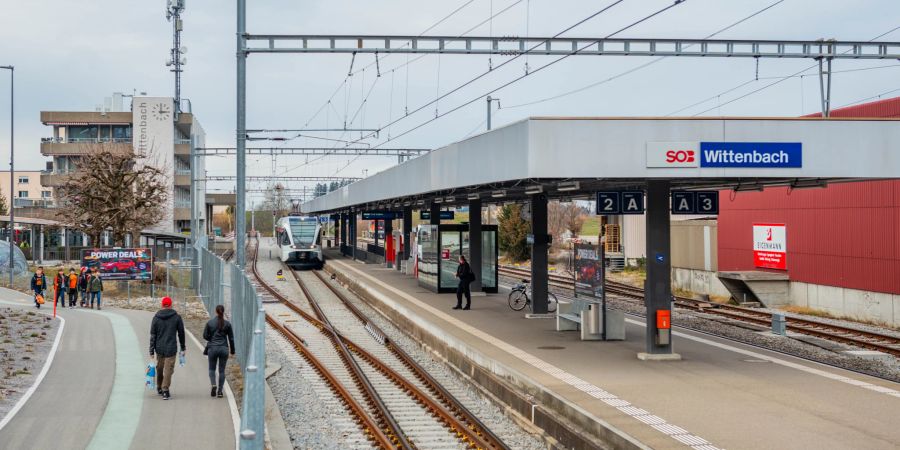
(437, 254)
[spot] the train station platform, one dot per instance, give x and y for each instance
(93, 395)
(722, 394)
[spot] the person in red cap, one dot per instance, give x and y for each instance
(165, 327)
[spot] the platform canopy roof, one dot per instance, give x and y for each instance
(571, 157)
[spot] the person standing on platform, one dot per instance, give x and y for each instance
(72, 284)
(219, 340)
(83, 286)
(95, 287)
(164, 329)
(59, 288)
(38, 284)
(466, 276)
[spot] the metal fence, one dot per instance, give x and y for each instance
(248, 321)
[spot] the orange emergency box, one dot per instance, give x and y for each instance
(663, 319)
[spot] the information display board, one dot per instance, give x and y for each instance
(119, 263)
(588, 270)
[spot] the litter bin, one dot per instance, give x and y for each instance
(590, 323)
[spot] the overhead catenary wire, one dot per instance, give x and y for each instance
(520, 54)
(514, 80)
(778, 81)
(641, 66)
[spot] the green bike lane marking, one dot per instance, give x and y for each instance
(120, 420)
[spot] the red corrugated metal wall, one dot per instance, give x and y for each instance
(846, 235)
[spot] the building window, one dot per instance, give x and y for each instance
(82, 133)
(121, 132)
(23, 180)
(23, 194)
(46, 194)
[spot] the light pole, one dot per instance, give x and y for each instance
(12, 167)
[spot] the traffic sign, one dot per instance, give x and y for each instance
(633, 202)
(609, 203)
(684, 202)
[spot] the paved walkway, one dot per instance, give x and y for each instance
(94, 397)
(726, 395)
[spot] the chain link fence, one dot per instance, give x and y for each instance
(248, 321)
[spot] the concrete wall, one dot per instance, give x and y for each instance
(853, 303)
(694, 244)
(698, 282)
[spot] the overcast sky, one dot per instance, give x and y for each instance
(69, 55)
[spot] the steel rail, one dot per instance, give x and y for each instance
(845, 335)
(367, 425)
(455, 416)
(479, 430)
(387, 424)
(450, 420)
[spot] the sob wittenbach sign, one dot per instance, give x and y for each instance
(770, 246)
(119, 263)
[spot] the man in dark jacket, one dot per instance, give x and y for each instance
(163, 330)
(83, 285)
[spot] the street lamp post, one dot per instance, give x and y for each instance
(12, 209)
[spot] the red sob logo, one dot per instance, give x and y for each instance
(681, 156)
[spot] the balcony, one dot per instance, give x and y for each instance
(62, 147)
(53, 179)
(34, 203)
(182, 179)
(182, 214)
(183, 148)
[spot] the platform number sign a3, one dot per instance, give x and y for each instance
(695, 202)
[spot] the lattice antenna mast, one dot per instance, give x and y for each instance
(174, 8)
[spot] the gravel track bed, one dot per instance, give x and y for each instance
(492, 416)
(313, 415)
(889, 370)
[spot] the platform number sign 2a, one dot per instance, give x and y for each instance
(633, 202)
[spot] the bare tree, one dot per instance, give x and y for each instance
(114, 189)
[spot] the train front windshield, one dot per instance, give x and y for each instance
(303, 232)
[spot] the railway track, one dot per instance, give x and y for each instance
(836, 333)
(393, 402)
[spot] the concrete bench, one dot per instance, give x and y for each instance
(569, 317)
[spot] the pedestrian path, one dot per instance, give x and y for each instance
(93, 395)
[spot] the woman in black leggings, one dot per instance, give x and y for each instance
(219, 340)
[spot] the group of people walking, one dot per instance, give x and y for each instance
(66, 288)
(167, 340)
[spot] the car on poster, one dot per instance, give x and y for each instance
(119, 263)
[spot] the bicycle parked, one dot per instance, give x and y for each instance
(520, 297)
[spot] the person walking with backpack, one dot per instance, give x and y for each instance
(219, 340)
(83, 286)
(38, 285)
(465, 275)
(72, 287)
(164, 329)
(59, 289)
(95, 287)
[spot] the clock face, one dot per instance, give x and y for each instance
(160, 111)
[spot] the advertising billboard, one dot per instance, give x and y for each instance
(588, 270)
(119, 263)
(770, 246)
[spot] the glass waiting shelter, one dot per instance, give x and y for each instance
(438, 250)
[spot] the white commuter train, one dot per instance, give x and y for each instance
(300, 241)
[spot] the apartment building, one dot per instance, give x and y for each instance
(149, 125)
(27, 189)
